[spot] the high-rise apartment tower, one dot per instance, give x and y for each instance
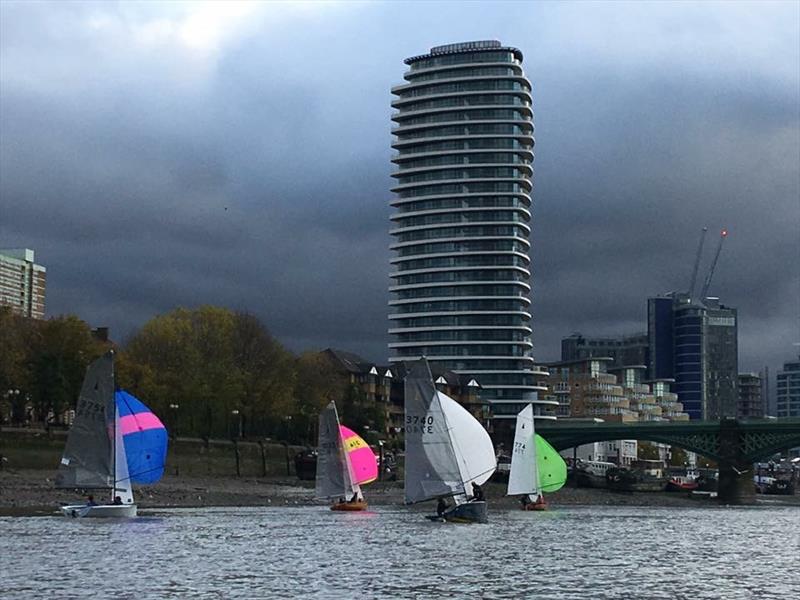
(461, 265)
(22, 283)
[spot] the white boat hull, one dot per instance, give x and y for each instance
(114, 511)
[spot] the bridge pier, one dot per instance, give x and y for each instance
(735, 484)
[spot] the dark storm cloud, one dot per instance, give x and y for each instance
(157, 156)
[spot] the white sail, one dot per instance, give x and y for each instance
(447, 449)
(122, 486)
(471, 444)
(431, 468)
(524, 475)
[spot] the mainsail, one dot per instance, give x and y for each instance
(524, 478)
(144, 437)
(535, 465)
(446, 447)
(362, 461)
(334, 479)
(88, 460)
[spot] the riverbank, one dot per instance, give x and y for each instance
(31, 491)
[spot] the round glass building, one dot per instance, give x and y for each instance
(461, 265)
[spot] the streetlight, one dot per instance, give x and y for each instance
(174, 419)
(235, 412)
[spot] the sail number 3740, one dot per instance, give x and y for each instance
(415, 424)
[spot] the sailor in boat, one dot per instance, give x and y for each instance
(525, 500)
(477, 493)
(117, 500)
(90, 501)
(356, 498)
(441, 507)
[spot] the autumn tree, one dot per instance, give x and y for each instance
(209, 362)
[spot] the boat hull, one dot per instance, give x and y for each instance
(535, 506)
(468, 512)
(349, 506)
(108, 511)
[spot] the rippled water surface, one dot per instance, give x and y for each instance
(591, 552)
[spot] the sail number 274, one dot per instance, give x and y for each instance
(415, 424)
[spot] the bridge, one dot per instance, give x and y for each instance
(734, 444)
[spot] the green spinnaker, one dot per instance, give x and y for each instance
(552, 468)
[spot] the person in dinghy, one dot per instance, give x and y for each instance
(344, 463)
(114, 441)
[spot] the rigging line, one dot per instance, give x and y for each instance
(140, 473)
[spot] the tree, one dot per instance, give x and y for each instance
(60, 351)
(648, 451)
(211, 362)
(318, 383)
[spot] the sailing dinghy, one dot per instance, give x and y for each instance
(345, 462)
(447, 450)
(536, 466)
(114, 441)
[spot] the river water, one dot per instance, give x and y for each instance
(392, 552)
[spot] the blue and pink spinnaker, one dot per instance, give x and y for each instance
(145, 439)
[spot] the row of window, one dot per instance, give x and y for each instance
(474, 129)
(463, 246)
(461, 58)
(457, 350)
(464, 72)
(446, 305)
(465, 188)
(476, 144)
(486, 158)
(499, 260)
(486, 335)
(462, 232)
(462, 290)
(470, 202)
(461, 276)
(467, 86)
(468, 173)
(464, 321)
(465, 217)
(468, 115)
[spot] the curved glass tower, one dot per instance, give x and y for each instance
(461, 266)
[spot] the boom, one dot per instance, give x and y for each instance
(723, 234)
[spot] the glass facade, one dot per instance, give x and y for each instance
(461, 224)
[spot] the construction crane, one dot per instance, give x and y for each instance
(697, 262)
(723, 234)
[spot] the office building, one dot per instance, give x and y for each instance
(22, 283)
(623, 350)
(695, 343)
(788, 389)
(461, 221)
(751, 403)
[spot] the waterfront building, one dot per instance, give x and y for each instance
(751, 403)
(22, 283)
(695, 344)
(623, 350)
(461, 222)
(788, 389)
(383, 386)
(587, 389)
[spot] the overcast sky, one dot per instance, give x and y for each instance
(174, 154)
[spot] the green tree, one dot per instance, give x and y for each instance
(210, 362)
(318, 383)
(647, 451)
(678, 456)
(60, 351)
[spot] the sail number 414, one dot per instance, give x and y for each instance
(415, 424)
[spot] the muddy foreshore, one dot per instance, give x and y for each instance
(28, 492)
